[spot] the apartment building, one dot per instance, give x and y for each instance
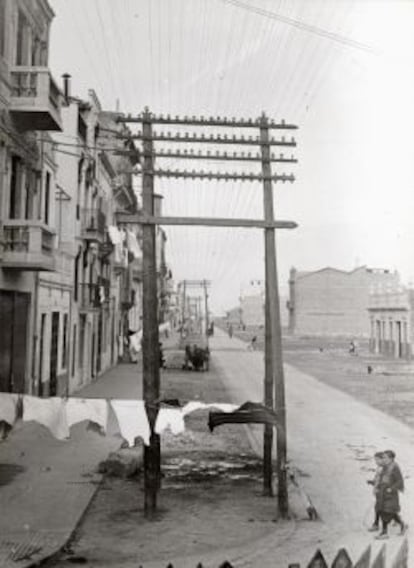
(334, 302)
(94, 181)
(30, 108)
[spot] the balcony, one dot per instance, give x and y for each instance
(28, 245)
(94, 296)
(35, 100)
(93, 223)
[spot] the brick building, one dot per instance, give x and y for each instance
(334, 302)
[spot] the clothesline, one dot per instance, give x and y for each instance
(59, 414)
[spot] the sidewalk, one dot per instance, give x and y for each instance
(46, 484)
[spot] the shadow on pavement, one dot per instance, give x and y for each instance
(8, 472)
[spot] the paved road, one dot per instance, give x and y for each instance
(331, 438)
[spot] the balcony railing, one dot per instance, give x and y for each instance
(94, 296)
(93, 223)
(35, 99)
(27, 245)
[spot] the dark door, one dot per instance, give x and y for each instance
(100, 330)
(14, 313)
(54, 342)
(41, 352)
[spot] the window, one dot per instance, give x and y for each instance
(74, 335)
(47, 198)
(15, 188)
(64, 341)
(2, 27)
(21, 49)
(76, 277)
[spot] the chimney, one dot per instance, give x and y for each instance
(66, 86)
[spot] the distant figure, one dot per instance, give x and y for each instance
(352, 347)
(252, 345)
(188, 356)
(210, 329)
(369, 369)
(230, 331)
(162, 358)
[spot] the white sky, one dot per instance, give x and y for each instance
(353, 198)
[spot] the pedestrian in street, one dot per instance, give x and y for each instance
(379, 461)
(230, 331)
(252, 345)
(391, 482)
(161, 356)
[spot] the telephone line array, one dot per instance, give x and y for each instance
(247, 157)
(177, 137)
(222, 176)
(205, 121)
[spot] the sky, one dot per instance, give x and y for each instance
(341, 70)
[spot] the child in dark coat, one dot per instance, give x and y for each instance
(390, 484)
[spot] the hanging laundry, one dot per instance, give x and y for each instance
(8, 407)
(121, 255)
(133, 246)
(165, 328)
(50, 412)
(247, 413)
(195, 405)
(93, 409)
(115, 235)
(132, 419)
(170, 418)
(135, 341)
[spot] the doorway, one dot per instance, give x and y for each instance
(14, 316)
(54, 344)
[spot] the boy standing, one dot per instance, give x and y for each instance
(379, 461)
(390, 484)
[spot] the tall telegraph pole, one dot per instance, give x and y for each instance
(150, 338)
(274, 379)
(274, 374)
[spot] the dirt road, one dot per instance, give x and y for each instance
(331, 438)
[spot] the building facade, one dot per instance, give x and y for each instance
(334, 302)
(70, 276)
(391, 314)
(252, 303)
(94, 181)
(30, 108)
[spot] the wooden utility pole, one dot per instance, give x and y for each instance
(274, 375)
(150, 338)
(184, 301)
(274, 380)
(207, 322)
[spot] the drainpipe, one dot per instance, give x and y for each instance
(66, 87)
